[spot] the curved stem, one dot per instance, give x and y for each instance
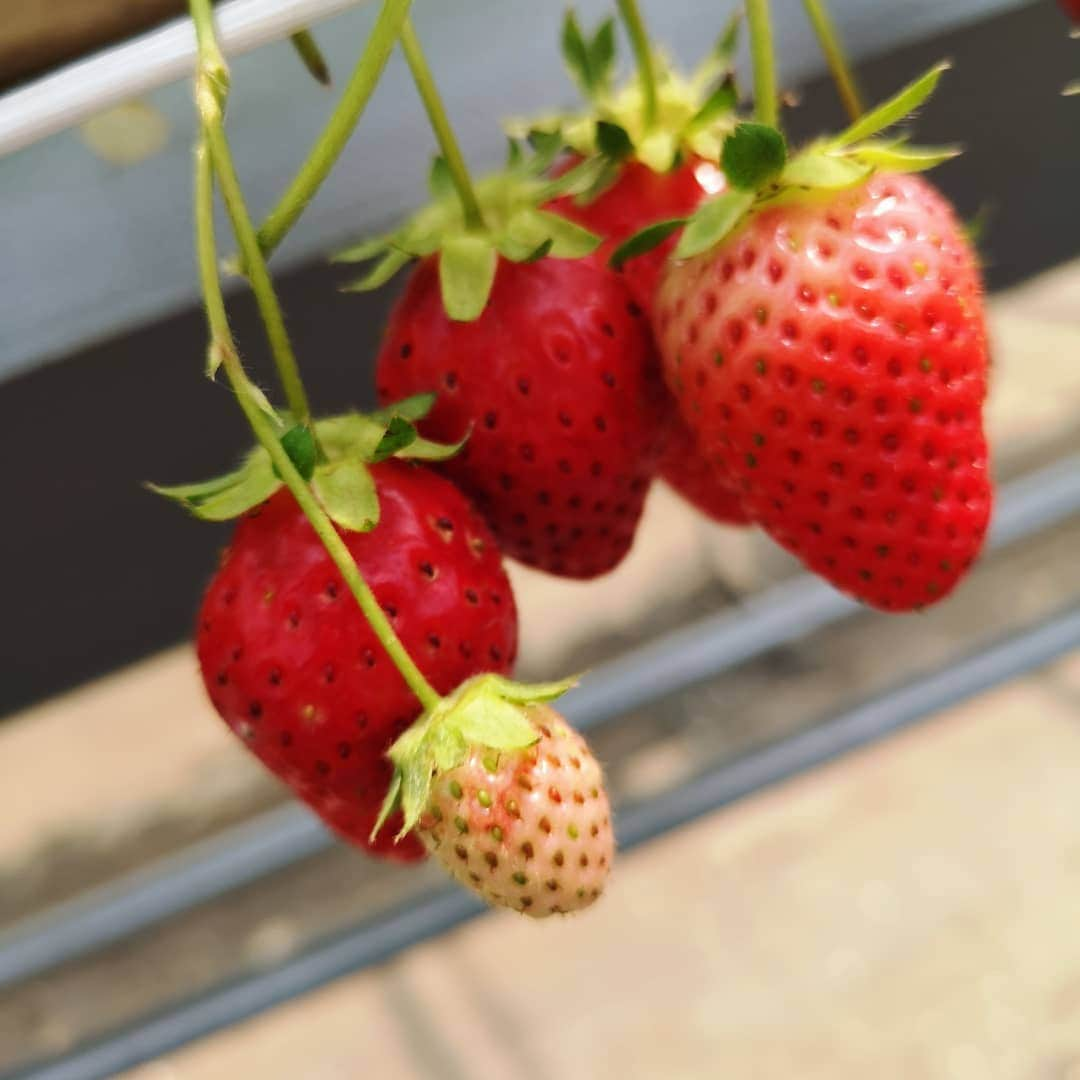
(639, 42)
(211, 88)
(440, 124)
(833, 48)
(766, 101)
(339, 127)
(265, 432)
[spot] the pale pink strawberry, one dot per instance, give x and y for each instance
(528, 829)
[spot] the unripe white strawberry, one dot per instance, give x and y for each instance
(507, 796)
(528, 829)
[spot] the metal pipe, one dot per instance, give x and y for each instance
(646, 674)
(378, 939)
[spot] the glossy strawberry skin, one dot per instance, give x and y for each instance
(293, 667)
(698, 480)
(832, 355)
(638, 198)
(559, 383)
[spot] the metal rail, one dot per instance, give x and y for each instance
(385, 935)
(674, 662)
(158, 57)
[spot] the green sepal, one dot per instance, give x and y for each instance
(612, 141)
(901, 157)
(412, 408)
(299, 443)
(380, 273)
(332, 458)
(347, 493)
(897, 108)
(485, 712)
(227, 496)
(363, 251)
(752, 155)
(720, 103)
(588, 61)
(398, 435)
(817, 168)
(311, 56)
(466, 274)
(713, 221)
(644, 241)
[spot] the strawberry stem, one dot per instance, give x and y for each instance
(639, 42)
(835, 56)
(766, 99)
(211, 82)
(440, 125)
(211, 91)
(339, 127)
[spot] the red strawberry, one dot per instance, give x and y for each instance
(832, 354)
(557, 380)
(698, 480)
(293, 667)
(639, 197)
(528, 829)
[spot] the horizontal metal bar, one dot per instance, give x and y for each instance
(158, 57)
(676, 661)
(382, 937)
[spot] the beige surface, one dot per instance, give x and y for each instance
(910, 912)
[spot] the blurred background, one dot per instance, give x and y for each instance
(909, 909)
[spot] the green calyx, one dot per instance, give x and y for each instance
(486, 712)
(760, 172)
(333, 456)
(691, 115)
(514, 227)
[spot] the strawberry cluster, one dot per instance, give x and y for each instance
(655, 289)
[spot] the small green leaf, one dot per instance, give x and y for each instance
(299, 444)
(752, 155)
(644, 241)
(894, 110)
(380, 273)
(531, 693)
(576, 53)
(440, 182)
(389, 804)
(568, 239)
(466, 273)
(721, 102)
(493, 722)
(514, 157)
(612, 140)
(228, 496)
(816, 168)
(364, 250)
(399, 434)
(900, 157)
(602, 55)
(427, 450)
(713, 221)
(546, 145)
(580, 179)
(412, 408)
(347, 493)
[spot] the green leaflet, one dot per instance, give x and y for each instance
(712, 222)
(380, 273)
(347, 493)
(902, 157)
(752, 155)
(817, 168)
(299, 444)
(466, 274)
(398, 435)
(227, 496)
(645, 240)
(895, 109)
